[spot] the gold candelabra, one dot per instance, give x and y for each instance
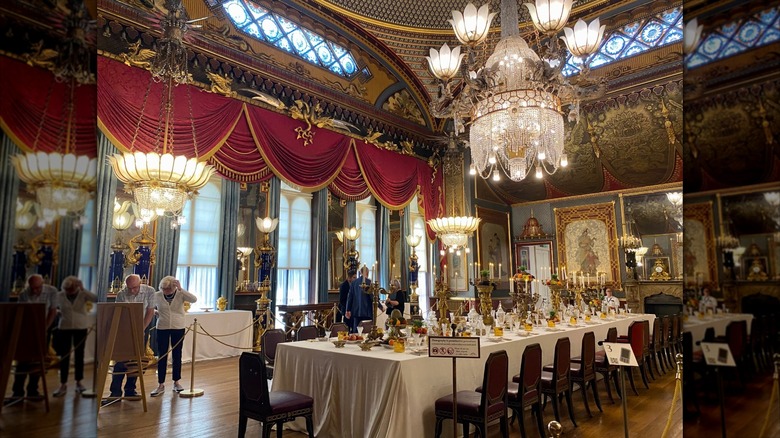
(523, 300)
(442, 292)
(261, 313)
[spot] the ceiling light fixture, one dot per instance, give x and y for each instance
(514, 102)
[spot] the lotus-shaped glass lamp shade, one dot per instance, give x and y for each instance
(675, 198)
(472, 25)
(413, 240)
(444, 63)
(352, 233)
(266, 225)
(549, 16)
(584, 39)
(691, 35)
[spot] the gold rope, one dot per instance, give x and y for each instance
(236, 332)
(77, 345)
(223, 343)
(676, 397)
(154, 362)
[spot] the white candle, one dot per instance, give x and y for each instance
(445, 272)
(499, 270)
(588, 278)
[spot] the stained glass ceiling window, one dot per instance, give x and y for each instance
(634, 38)
(736, 37)
(294, 39)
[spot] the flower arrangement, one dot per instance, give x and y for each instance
(595, 303)
(419, 328)
(553, 281)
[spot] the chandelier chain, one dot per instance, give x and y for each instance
(70, 132)
(43, 116)
(143, 109)
(168, 148)
(192, 122)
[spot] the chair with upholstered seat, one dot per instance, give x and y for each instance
(268, 407)
(647, 357)
(583, 371)
(480, 408)
(269, 341)
(656, 348)
(602, 366)
(525, 388)
(666, 333)
(338, 327)
(366, 325)
(636, 337)
(307, 332)
(555, 379)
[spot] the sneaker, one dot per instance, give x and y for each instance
(177, 387)
(132, 396)
(10, 401)
(63, 389)
(110, 400)
(157, 392)
(80, 388)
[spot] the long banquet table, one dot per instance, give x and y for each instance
(718, 321)
(387, 394)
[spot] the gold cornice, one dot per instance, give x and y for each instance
(632, 191)
(741, 190)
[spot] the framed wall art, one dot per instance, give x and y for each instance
(587, 240)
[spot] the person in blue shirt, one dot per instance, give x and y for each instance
(359, 307)
(343, 294)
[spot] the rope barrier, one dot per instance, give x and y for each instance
(676, 397)
(236, 332)
(154, 362)
(775, 394)
(223, 343)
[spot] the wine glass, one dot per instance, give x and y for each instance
(327, 333)
(361, 327)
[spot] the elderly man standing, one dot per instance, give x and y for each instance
(34, 292)
(133, 292)
(72, 332)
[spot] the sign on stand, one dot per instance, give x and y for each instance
(447, 347)
(717, 354)
(621, 354)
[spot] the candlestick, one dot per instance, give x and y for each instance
(499, 270)
(444, 275)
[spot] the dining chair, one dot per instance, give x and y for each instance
(666, 333)
(525, 388)
(307, 332)
(268, 407)
(656, 348)
(480, 408)
(366, 325)
(646, 354)
(338, 327)
(555, 379)
(583, 371)
(603, 367)
(636, 337)
(269, 341)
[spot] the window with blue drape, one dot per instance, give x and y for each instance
(294, 252)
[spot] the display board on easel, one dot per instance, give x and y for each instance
(24, 326)
(112, 319)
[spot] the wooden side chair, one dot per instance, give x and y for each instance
(268, 407)
(603, 367)
(269, 341)
(480, 408)
(336, 328)
(583, 371)
(307, 332)
(555, 379)
(526, 388)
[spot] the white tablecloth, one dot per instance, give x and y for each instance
(382, 393)
(219, 323)
(697, 326)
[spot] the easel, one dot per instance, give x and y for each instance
(110, 317)
(23, 324)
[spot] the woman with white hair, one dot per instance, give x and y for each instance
(169, 301)
(72, 331)
(396, 299)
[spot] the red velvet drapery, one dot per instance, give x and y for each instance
(250, 144)
(23, 97)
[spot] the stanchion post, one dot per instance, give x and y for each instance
(555, 429)
(776, 357)
(623, 397)
(193, 392)
(721, 400)
(678, 374)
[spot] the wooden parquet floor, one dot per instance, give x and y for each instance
(215, 413)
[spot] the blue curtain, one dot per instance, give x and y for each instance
(9, 191)
(227, 265)
(273, 200)
(69, 248)
(406, 229)
(104, 211)
(319, 255)
(167, 251)
(383, 241)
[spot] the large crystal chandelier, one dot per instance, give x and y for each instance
(454, 231)
(161, 184)
(62, 181)
(514, 103)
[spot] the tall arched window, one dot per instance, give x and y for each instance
(294, 252)
(366, 221)
(199, 245)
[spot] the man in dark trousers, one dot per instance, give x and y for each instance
(343, 293)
